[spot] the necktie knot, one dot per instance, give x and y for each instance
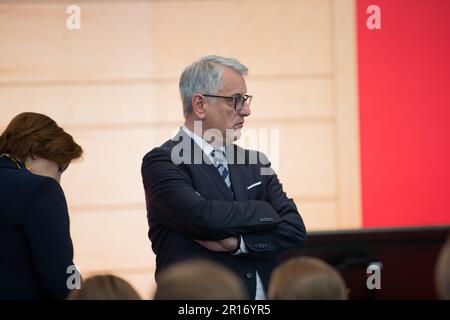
(218, 156)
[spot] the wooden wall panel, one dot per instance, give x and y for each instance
(113, 86)
(305, 163)
(318, 214)
(282, 98)
(347, 116)
(113, 42)
(274, 37)
(149, 104)
(115, 105)
(111, 239)
(110, 172)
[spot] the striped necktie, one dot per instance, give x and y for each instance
(219, 159)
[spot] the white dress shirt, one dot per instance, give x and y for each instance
(207, 149)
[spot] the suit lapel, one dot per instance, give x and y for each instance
(205, 168)
(237, 176)
(216, 179)
(237, 173)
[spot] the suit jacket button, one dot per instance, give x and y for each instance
(249, 275)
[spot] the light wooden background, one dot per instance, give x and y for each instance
(113, 86)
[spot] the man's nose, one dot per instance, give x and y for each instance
(245, 111)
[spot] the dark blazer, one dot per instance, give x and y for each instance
(187, 201)
(35, 245)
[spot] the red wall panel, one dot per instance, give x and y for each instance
(404, 98)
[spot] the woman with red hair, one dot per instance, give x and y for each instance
(35, 245)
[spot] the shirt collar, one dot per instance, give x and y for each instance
(205, 146)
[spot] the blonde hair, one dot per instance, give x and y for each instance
(306, 278)
(104, 287)
(199, 280)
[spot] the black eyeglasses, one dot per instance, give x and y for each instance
(239, 100)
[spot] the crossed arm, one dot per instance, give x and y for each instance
(218, 224)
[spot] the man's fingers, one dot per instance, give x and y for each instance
(212, 245)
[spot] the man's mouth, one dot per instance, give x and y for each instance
(239, 125)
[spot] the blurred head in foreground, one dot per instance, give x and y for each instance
(442, 273)
(104, 287)
(306, 278)
(199, 280)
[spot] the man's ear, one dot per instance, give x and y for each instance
(198, 103)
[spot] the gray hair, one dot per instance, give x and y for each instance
(205, 76)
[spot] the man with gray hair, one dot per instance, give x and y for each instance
(207, 197)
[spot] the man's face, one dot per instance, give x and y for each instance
(220, 113)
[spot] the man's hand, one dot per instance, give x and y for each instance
(224, 245)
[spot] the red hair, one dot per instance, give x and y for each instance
(35, 134)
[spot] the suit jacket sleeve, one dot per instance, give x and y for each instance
(172, 199)
(290, 232)
(48, 231)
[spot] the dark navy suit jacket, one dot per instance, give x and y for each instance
(187, 201)
(35, 244)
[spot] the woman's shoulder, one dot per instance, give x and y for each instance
(22, 192)
(29, 184)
